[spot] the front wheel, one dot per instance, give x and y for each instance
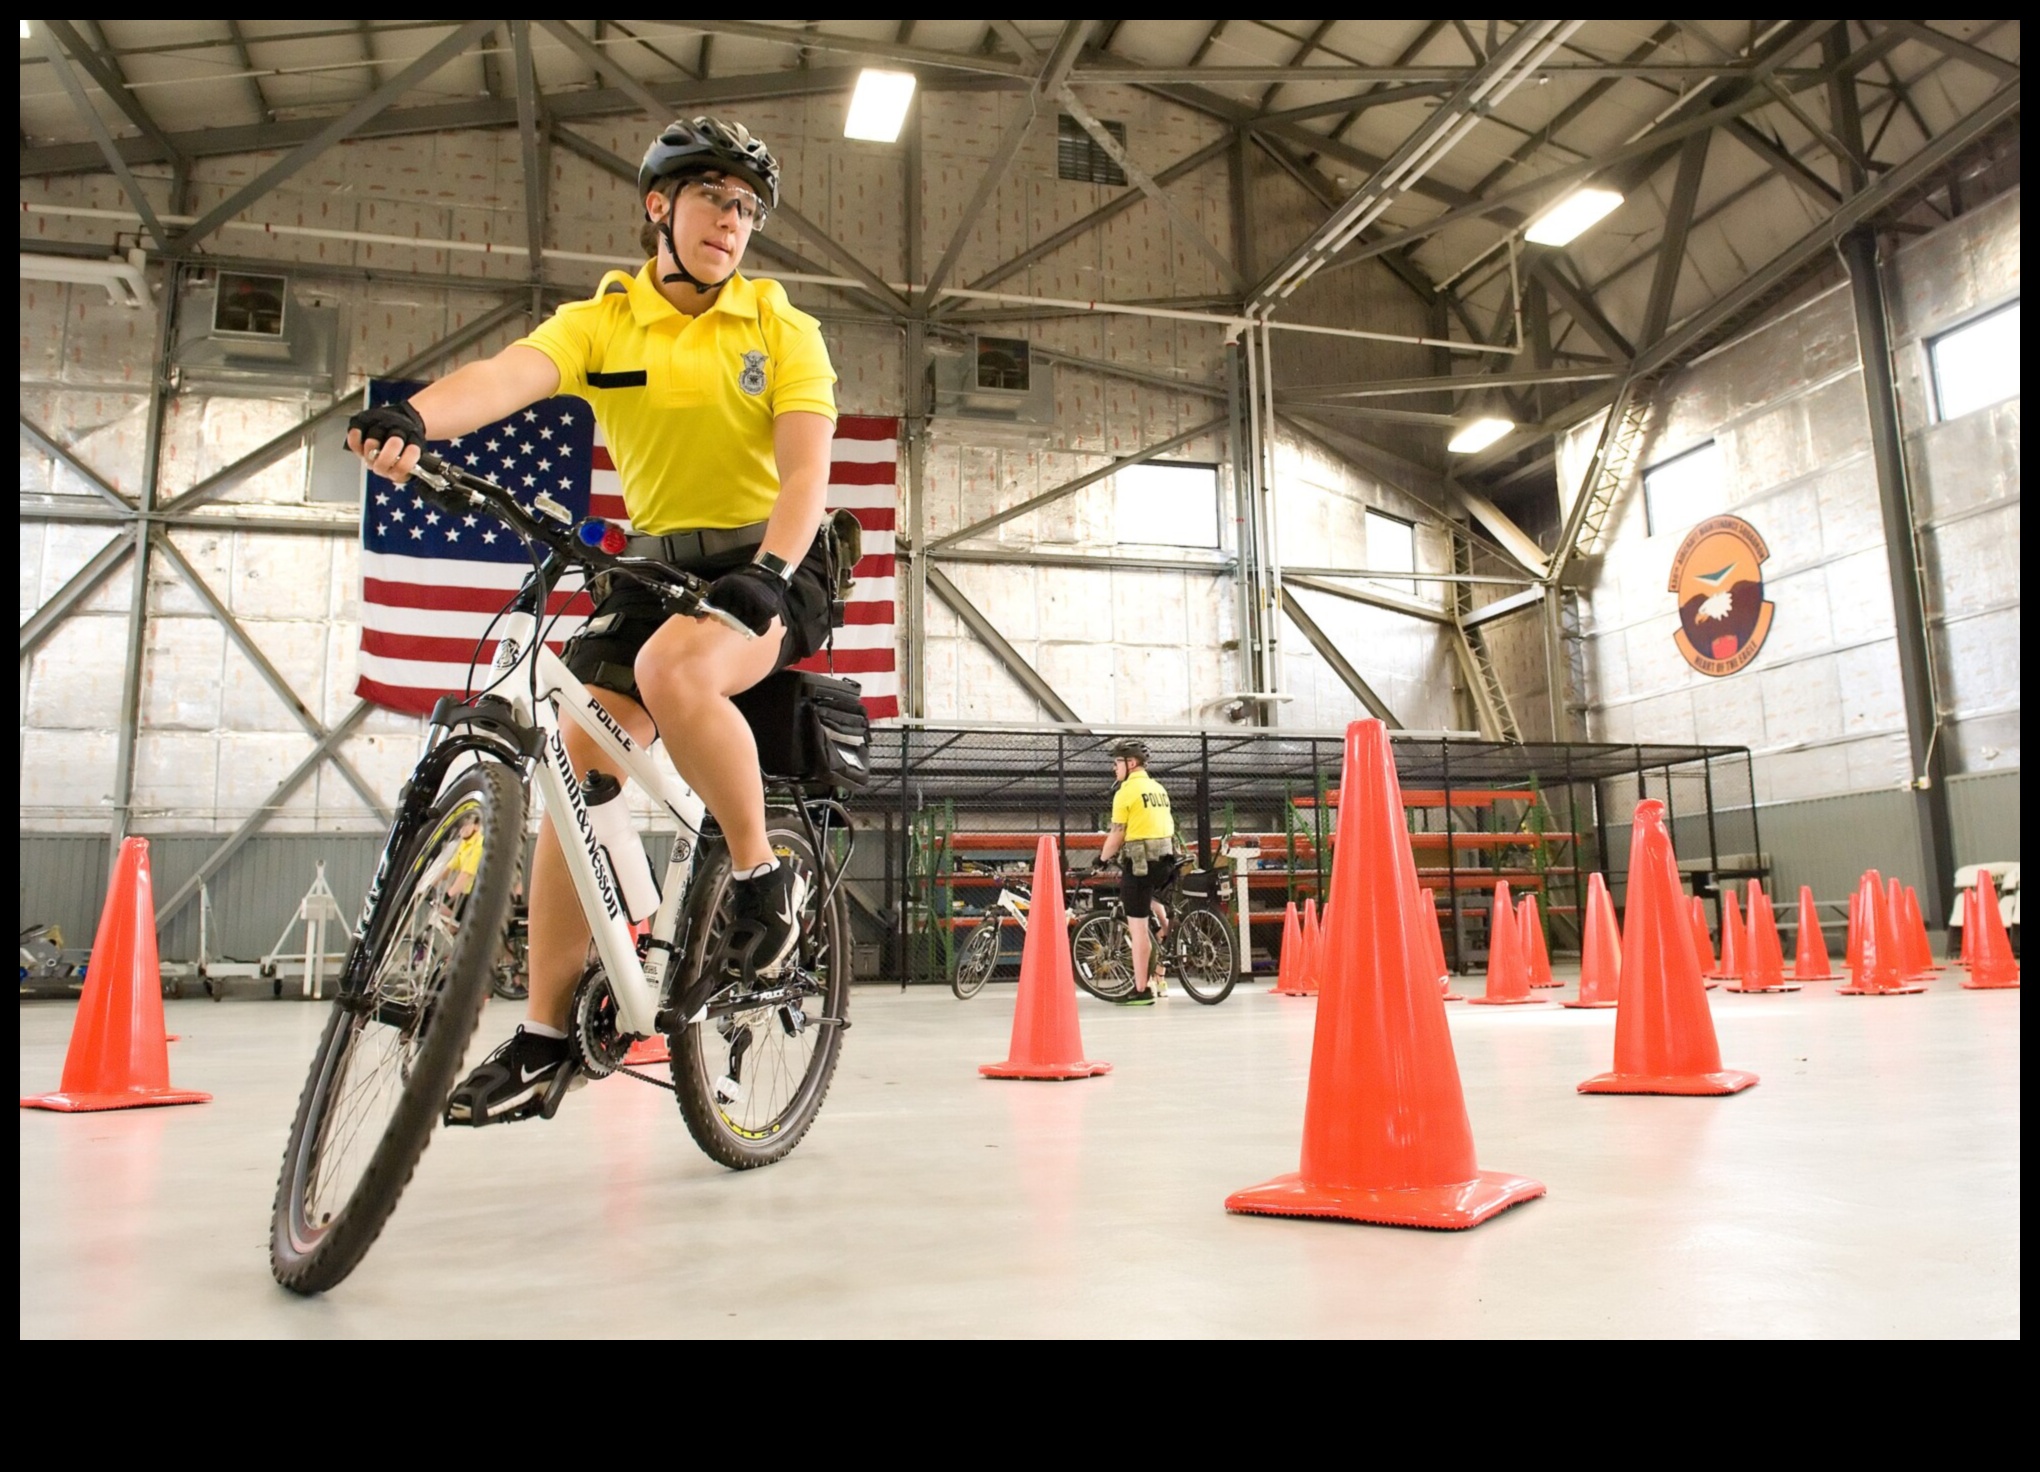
(388, 1057)
(752, 1074)
(978, 959)
(1102, 957)
(1205, 959)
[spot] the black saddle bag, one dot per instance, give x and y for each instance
(811, 729)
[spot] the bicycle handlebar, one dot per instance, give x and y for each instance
(552, 526)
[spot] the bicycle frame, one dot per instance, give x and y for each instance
(523, 663)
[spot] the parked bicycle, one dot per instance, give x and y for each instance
(986, 947)
(752, 1057)
(1197, 946)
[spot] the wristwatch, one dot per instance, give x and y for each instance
(773, 563)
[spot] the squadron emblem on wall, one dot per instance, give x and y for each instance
(1719, 579)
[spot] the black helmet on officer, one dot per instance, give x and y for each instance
(689, 148)
(1130, 749)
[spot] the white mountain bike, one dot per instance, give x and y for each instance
(752, 1058)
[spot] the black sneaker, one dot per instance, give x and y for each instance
(764, 921)
(1136, 999)
(527, 1075)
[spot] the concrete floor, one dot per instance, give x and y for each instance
(1869, 1186)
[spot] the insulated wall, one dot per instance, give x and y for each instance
(1820, 704)
(214, 737)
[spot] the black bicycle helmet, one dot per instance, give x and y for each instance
(1131, 748)
(689, 146)
(696, 145)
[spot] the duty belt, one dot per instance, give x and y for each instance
(697, 545)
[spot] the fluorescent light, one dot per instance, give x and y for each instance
(1479, 435)
(24, 30)
(1560, 224)
(879, 105)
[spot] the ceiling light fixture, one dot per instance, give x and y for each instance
(1479, 435)
(879, 105)
(1563, 222)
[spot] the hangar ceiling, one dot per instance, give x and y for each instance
(1742, 148)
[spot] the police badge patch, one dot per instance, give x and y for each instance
(752, 379)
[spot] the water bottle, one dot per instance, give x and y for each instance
(609, 816)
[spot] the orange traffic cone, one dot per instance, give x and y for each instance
(1664, 1032)
(1968, 953)
(1600, 950)
(119, 1058)
(1703, 943)
(1763, 954)
(1313, 946)
(1697, 918)
(1434, 951)
(1530, 926)
(1508, 969)
(1879, 970)
(1292, 973)
(1385, 1133)
(1810, 960)
(1731, 937)
(1852, 950)
(1991, 966)
(1919, 950)
(1046, 1041)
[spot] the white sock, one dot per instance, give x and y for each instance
(760, 872)
(544, 1030)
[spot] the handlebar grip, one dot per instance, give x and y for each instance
(727, 620)
(431, 464)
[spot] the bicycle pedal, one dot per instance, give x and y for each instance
(728, 1091)
(563, 1083)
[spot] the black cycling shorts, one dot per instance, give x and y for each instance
(1138, 891)
(604, 654)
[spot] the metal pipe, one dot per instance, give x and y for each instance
(1894, 495)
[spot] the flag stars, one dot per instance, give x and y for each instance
(396, 513)
(474, 459)
(545, 433)
(489, 535)
(417, 533)
(525, 448)
(453, 534)
(494, 445)
(531, 480)
(467, 521)
(531, 414)
(432, 518)
(382, 498)
(545, 465)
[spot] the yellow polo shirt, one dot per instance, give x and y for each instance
(686, 404)
(1143, 807)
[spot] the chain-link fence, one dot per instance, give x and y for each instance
(953, 812)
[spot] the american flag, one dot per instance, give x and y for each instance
(432, 582)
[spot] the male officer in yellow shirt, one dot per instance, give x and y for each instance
(716, 399)
(1143, 839)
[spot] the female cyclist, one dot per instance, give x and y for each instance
(717, 402)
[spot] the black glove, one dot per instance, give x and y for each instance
(396, 420)
(753, 595)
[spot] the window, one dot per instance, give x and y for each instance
(1391, 546)
(1681, 491)
(1078, 156)
(1977, 364)
(1167, 504)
